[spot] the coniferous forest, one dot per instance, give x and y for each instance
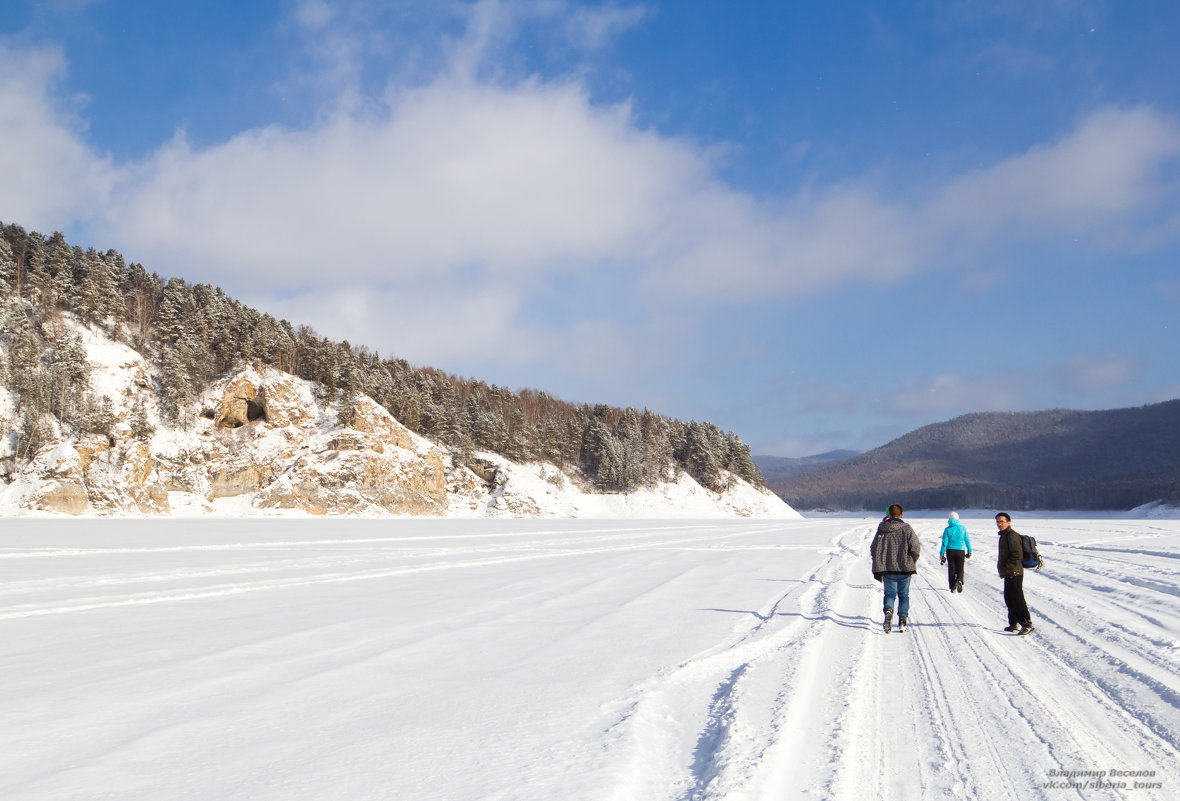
(195, 334)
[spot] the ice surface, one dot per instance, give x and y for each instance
(574, 659)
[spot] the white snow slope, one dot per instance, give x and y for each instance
(538, 659)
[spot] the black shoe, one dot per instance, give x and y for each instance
(901, 623)
(959, 586)
(1027, 628)
(1011, 628)
(888, 620)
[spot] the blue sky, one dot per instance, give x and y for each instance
(820, 225)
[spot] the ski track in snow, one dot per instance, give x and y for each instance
(703, 660)
(945, 710)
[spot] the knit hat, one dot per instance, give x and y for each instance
(954, 515)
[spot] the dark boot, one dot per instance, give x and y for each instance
(888, 620)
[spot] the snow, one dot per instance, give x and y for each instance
(8, 421)
(300, 440)
(541, 489)
(576, 659)
(114, 367)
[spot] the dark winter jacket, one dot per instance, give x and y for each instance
(1010, 562)
(895, 549)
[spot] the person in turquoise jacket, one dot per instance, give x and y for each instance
(956, 548)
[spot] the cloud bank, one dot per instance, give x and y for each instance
(463, 198)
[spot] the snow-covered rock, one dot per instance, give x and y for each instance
(262, 442)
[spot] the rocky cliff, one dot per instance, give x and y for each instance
(264, 442)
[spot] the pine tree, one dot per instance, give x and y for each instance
(18, 241)
(32, 432)
(173, 317)
(25, 345)
(139, 298)
(58, 272)
(7, 269)
(96, 294)
(197, 333)
(35, 275)
(176, 390)
(141, 426)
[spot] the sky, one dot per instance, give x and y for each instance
(819, 225)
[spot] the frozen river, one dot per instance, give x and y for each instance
(574, 659)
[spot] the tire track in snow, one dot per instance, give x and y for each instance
(952, 684)
(798, 721)
(1053, 724)
(18, 611)
(964, 691)
(662, 756)
(619, 532)
(807, 741)
(1121, 656)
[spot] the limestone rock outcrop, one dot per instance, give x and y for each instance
(262, 440)
(375, 466)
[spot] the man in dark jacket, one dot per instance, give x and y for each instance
(1011, 566)
(895, 552)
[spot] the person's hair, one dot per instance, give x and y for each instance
(896, 511)
(1004, 515)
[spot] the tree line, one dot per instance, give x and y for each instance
(195, 334)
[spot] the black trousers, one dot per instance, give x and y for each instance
(1014, 597)
(956, 565)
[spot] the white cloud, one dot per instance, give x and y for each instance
(533, 178)
(1096, 373)
(950, 394)
(1090, 379)
(592, 27)
(1099, 175)
(519, 181)
(796, 447)
(314, 14)
(523, 182)
(51, 177)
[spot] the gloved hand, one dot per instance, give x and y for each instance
(942, 560)
(967, 556)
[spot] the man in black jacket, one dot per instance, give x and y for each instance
(1010, 564)
(895, 551)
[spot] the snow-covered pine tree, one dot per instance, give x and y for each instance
(174, 314)
(57, 277)
(195, 334)
(97, 292)
(7, 269)
(140, 293)
(35, 274)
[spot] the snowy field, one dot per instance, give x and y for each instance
(573, 659)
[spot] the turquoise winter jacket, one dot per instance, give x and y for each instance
(954, 536)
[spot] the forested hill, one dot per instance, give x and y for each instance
(193, 334)
(1058, 459)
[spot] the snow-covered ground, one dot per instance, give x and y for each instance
(539, 659)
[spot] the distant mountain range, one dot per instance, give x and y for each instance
(774, 468)
(1059, 459)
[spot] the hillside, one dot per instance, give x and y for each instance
(778, 467)
(118, 389)
(1059, 459)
